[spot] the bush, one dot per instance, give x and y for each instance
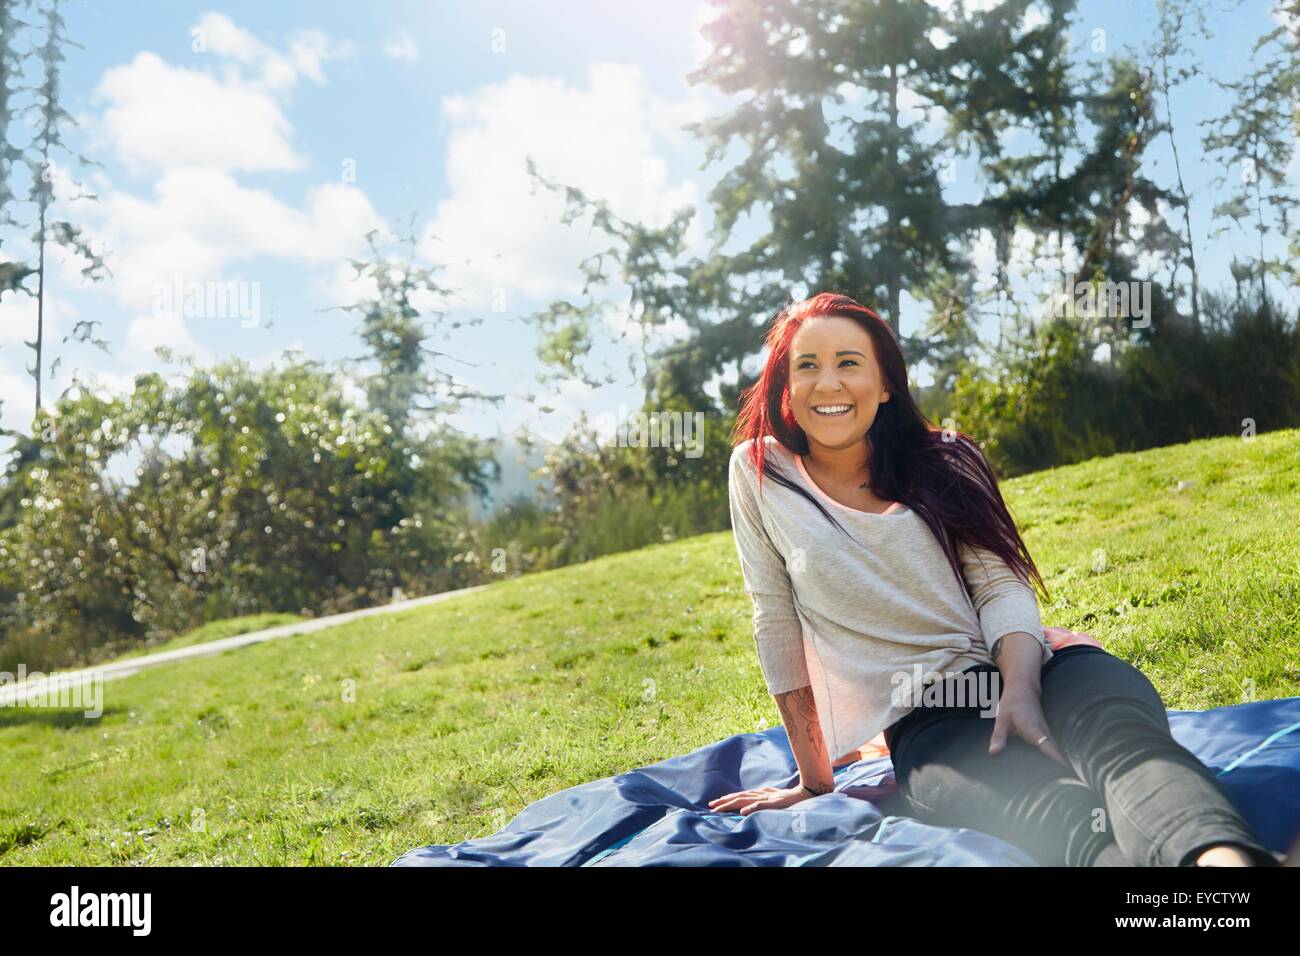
(1046, 402)
(255, 491)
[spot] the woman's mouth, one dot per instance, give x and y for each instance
(832, 411)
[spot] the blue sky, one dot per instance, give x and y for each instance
(258, 142)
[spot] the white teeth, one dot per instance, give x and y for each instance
(831, 409)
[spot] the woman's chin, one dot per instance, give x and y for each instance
(834, 434)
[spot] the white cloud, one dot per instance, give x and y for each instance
(223, 114)
(309, 50)
(164, 117)
(198, 223)
(267, 359)
(402, 47)
(262, 65)
(494, 231)
(343, 285)
(195, 129)
(108, 384)
(701, 45)
(146, 332)
(18, 395)
(217, 33)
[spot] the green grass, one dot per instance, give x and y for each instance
(438, 724)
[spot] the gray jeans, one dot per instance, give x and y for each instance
(1136, 797)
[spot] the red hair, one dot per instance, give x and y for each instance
(941, 474)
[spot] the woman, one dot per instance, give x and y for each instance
(887, 576)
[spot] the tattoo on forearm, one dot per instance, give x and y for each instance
(799, 711)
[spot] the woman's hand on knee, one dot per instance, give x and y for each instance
(1020, 712)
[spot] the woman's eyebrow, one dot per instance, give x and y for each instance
(844, 352)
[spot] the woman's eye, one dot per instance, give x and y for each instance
(807, 363)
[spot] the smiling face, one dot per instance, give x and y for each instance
(836, 385)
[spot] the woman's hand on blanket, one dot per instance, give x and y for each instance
(1020, 712)
(763, 798)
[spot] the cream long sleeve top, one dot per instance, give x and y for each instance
(847, 616)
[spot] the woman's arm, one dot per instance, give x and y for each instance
(1005, 604)
(799, 712)
(778, 638)
(802, 726)
(1020, 709)
(1013, 633)
(778, 632)
(1019, 659)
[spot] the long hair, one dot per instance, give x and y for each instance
(942, 476)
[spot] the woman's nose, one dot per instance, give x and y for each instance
(829, 380)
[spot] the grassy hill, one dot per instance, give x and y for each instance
(434, 725)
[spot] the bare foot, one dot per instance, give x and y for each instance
(1224, 855)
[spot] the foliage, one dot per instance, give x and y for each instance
(255, 491)
(1047, 400)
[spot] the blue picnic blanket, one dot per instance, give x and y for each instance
(658, 815)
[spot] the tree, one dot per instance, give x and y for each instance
(647, 261)
(1287, 78)
(1256, 137)
(405, 305)
(1167, 45)
(407, 386)
(1007, 75)
(12, 274)
(859, 209)
(255, 490)
(856, 202)
(47, 140)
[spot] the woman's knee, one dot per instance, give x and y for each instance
(1097, 688)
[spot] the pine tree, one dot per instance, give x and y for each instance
(855, 203)
(406, 384)
(13, 273)
(1256, 140)
(1007, 75)
(1167, 46)
(46, 142)
(646, 260)
(854, 195)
